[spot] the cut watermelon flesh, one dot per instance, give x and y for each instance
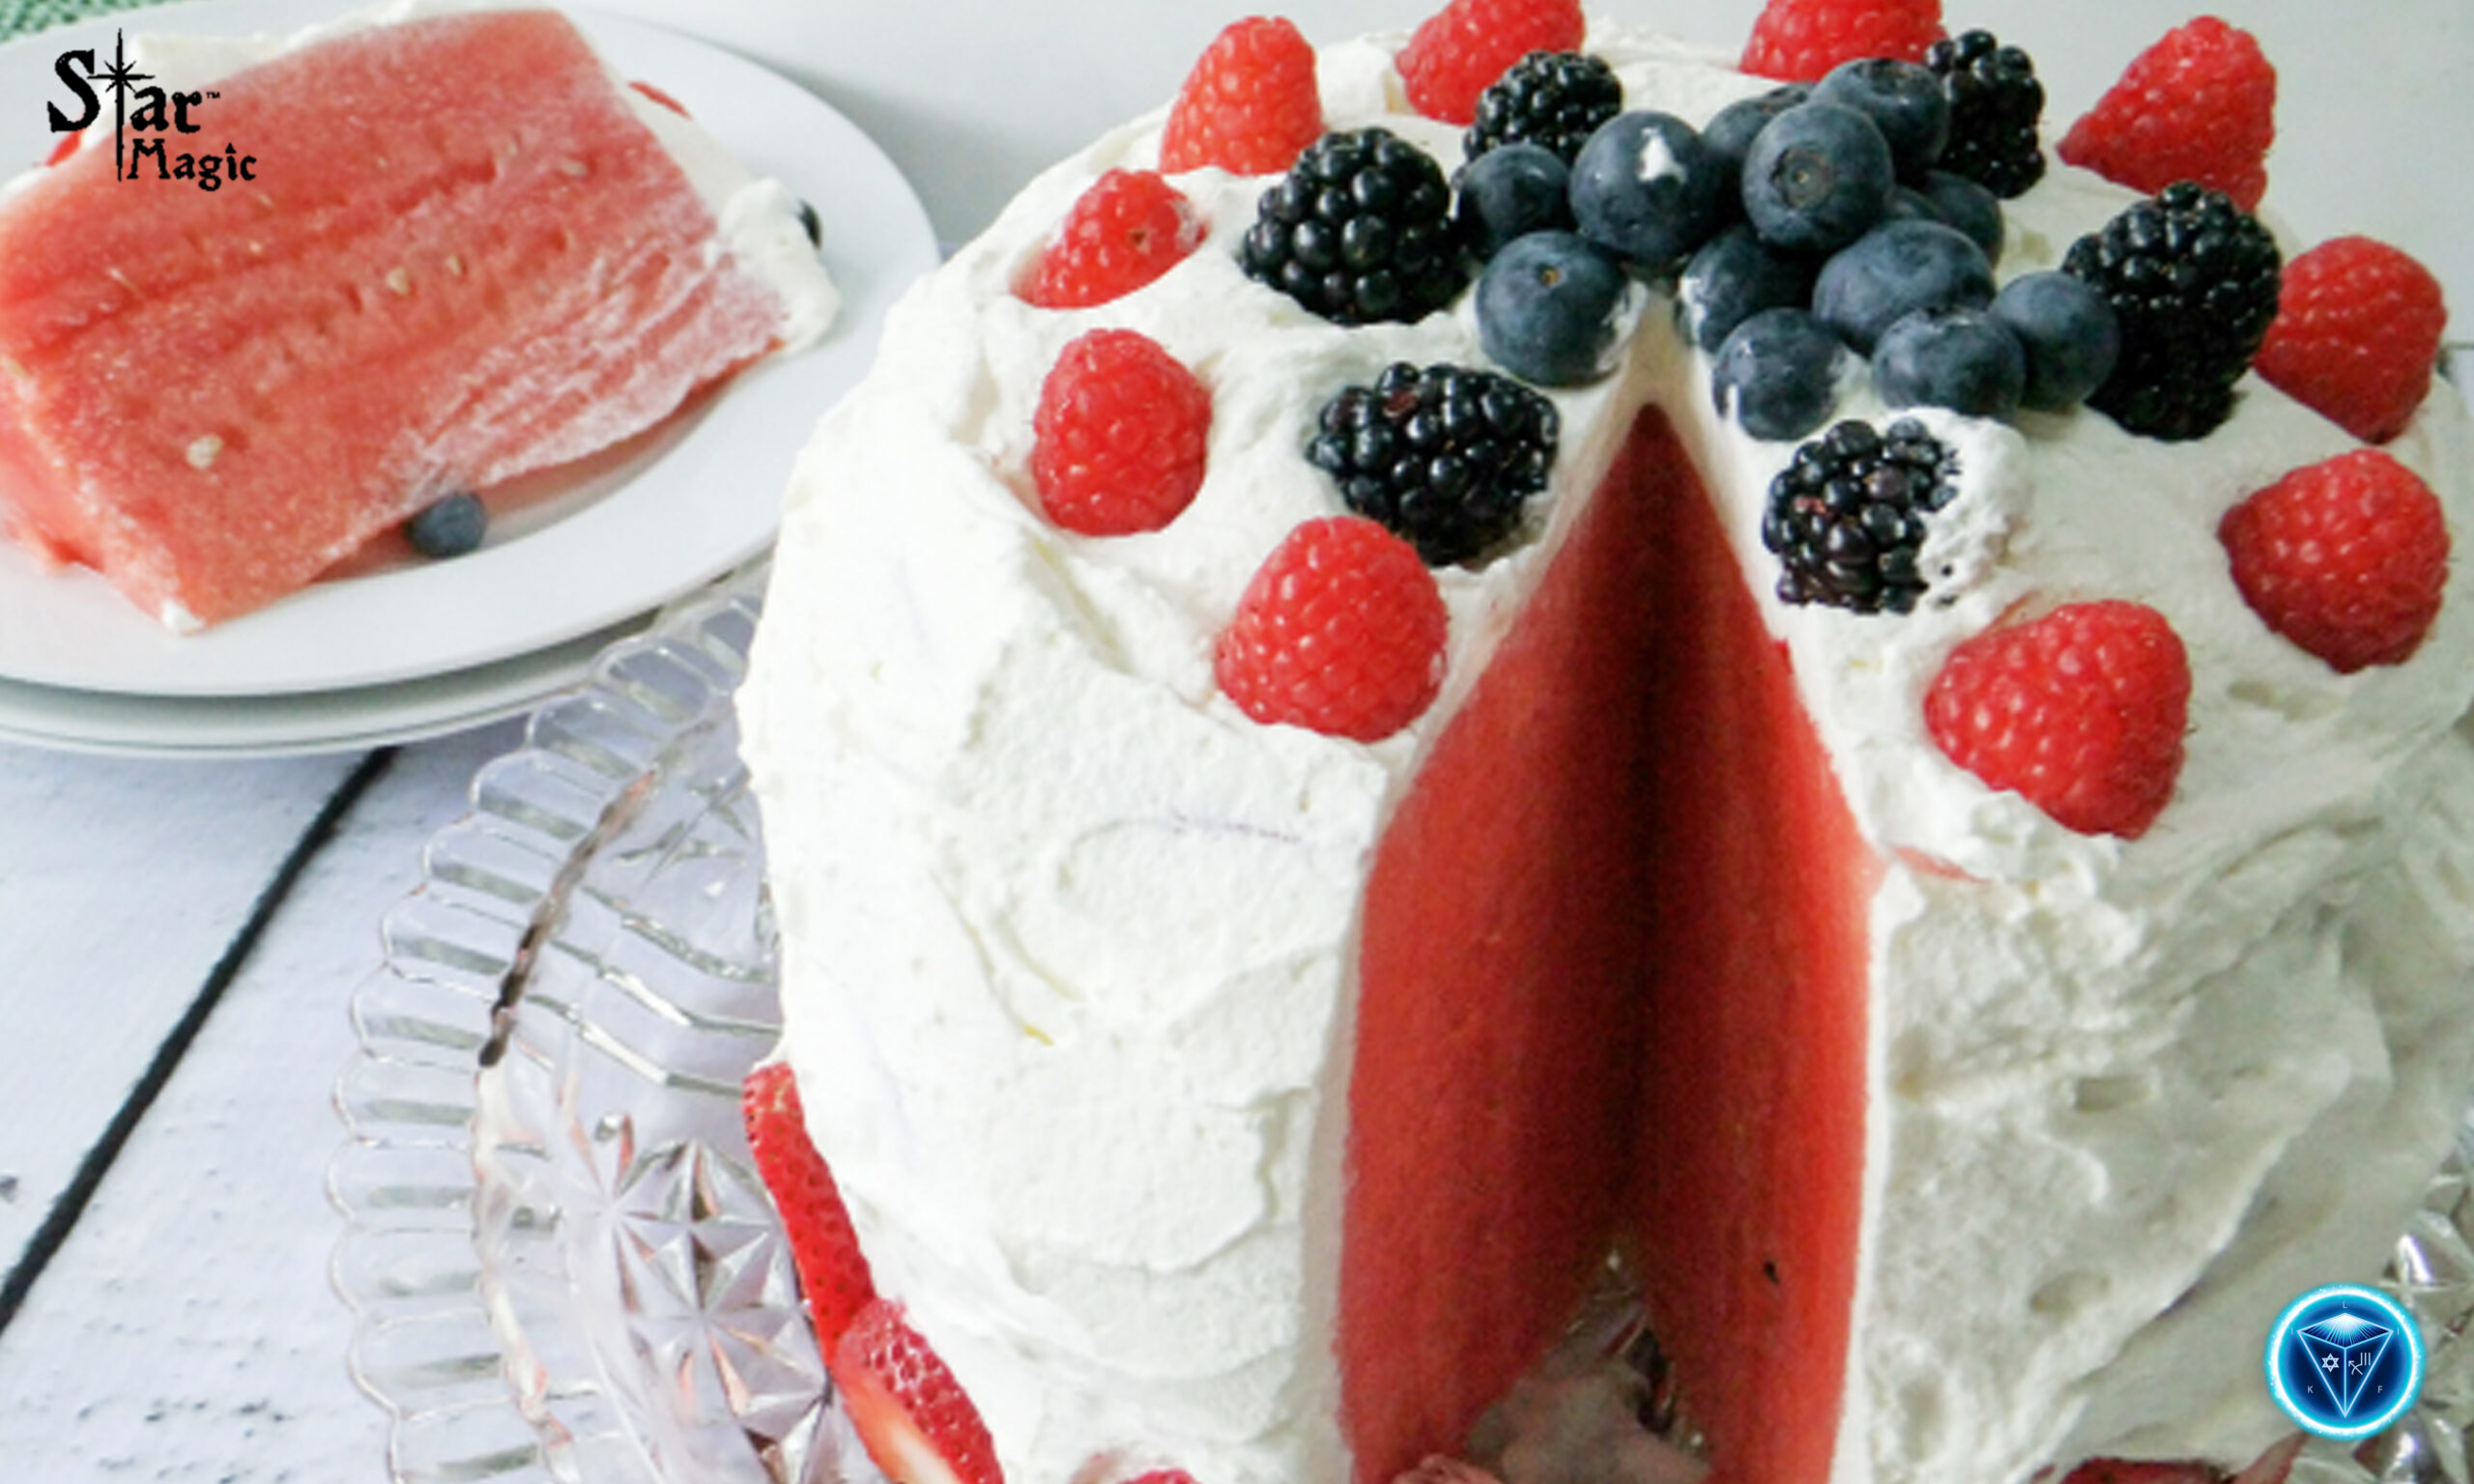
(1751, 1159)
(462, 258)
(1525, 958)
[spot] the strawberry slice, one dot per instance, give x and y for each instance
(917, 1425)
(2143, 1470)
(833, 1273)
(661, 98)
(2270, 1468)
(2275, 1465)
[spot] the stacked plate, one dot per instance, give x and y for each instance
(409, 649)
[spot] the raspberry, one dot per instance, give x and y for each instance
(2346, 558)
(2356, 334)
(2198, 105)
(2082, 711)
(914, 1418)
(1467, 44)
(834, 1278)
(1249, 105)
(1341, 631)
(1128, 229)
(1119, 435)
(1800, 41)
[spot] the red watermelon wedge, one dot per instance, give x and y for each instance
(1560, 923)
(461, 258)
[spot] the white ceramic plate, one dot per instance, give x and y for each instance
(699, 501)
(346, 720)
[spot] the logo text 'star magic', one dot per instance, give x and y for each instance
(157, 119)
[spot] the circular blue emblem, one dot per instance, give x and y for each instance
(2345, 1361)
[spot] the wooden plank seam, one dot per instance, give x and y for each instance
(65, 1212)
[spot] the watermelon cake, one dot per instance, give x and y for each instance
(1344, 733)
(465, 250)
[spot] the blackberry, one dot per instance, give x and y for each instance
(2193, 281)
(1994, 104)
(1555, 98)
(1846, 518)
(1444, 458)
(1360, 229)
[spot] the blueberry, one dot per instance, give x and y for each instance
(1818, 177)
(1645, 190)
(1904, 100)
(1734, 276)
(1909, 203)
(1512, 190)
(1894, 270)
(1549, 307)
(1778, 374)
(2070, 333)
(449, 527)
(1731, 130)
(1964, 204)
(1964, 360)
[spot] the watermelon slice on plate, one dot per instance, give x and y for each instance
(613, 536)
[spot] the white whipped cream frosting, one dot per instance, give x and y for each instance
(1070, 943)
(757, 218)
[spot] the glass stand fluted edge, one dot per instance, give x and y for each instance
(560, 1264)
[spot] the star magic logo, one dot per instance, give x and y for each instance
(147, 122)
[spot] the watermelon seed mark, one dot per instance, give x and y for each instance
(202, 451)
(399, 281)
(456, 264)
(573, 169)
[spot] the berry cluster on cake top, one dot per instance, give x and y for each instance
(1849, 218)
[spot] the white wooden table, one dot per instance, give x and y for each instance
(179, 941)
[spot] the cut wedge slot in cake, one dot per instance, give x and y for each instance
(465, 251)
(1710, 710)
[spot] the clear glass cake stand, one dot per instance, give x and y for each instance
(560, 1264)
